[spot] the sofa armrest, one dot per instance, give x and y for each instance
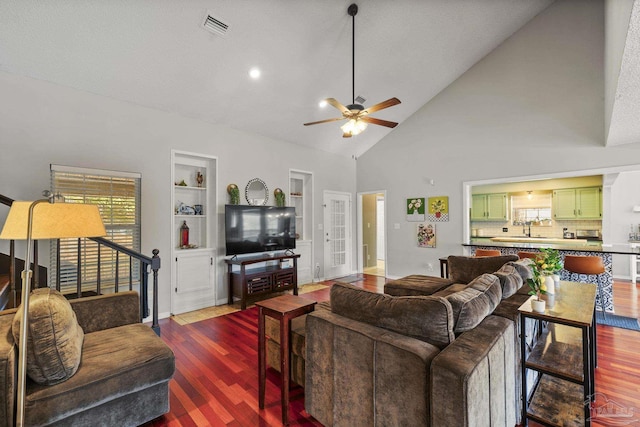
(107, 311)
(8, 369)
(348, 361)
(473, 378)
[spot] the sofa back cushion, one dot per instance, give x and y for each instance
(510, 280)
(478, 300)
(54, 343)
(427, 318)
(463, 269)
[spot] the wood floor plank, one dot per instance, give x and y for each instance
(216, 380)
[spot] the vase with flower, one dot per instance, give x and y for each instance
(549, 263)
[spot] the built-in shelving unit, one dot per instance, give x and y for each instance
(193, 196)
(301, 198)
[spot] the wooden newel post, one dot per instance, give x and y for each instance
(155, 266)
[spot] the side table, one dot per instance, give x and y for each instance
(564, 357)
(283, 309)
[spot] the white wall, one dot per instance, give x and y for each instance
(42, 123)
(534, 106)
(625, 194)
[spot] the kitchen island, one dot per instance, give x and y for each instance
(565, 247)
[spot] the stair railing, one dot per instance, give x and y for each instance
(146, 263)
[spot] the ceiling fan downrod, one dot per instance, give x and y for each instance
(353, 11)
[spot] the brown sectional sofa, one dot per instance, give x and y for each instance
(371, 359)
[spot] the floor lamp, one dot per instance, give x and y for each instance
(38, 220)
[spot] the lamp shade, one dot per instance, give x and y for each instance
(53, 221)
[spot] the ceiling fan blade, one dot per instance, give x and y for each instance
(338, 105)
(380, 122)
(324, 121)
(384, 104)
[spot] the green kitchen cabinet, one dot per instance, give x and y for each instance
(489, 207)
(577, 203)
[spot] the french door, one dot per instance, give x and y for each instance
(337, 234)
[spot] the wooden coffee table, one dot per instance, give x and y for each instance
(283, 309)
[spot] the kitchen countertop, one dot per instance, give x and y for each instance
(589, 246)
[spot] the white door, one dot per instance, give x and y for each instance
(337, 234)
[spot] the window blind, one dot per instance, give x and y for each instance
(117, 195)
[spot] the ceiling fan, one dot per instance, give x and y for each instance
(357, 116)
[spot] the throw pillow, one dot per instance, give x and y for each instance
(510, 280)
(54, 342)
(478, 300)
(523, 267)
(427, 318)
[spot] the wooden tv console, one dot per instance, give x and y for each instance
(261, 280)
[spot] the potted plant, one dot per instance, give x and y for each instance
(537, 287)
(234, 194)
(279, 196)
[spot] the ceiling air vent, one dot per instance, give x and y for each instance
(215, 25)
(360, 100)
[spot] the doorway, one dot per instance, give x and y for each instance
(371, 234)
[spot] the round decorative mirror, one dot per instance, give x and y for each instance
(256, 192)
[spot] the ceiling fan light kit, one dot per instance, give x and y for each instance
(357, 116)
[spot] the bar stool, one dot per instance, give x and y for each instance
(532, 255)
(587, 265)
(487, 252)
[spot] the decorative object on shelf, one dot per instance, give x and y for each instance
(256, 192)
(184, 235)
(426, 235)
(234, 194)
(415, 209)
(278, 194)
(438, 208)
(199, 179)
(181, 184)
(197, 209)
(185, 210)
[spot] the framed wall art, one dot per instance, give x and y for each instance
(415, 209)
(438, 209)
(426, 235)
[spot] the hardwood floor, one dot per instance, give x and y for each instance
(216, 380)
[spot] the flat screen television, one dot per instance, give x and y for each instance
(250, 229)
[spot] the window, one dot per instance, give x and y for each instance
(117, 195)
(532, 208)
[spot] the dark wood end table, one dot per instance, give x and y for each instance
(282, 308)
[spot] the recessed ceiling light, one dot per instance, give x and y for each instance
(323, 103)
(254, 73)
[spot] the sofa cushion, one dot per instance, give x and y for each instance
(426, 318)
(54, 343)
(416, 285)
(115, 362)
(463, 269)
(478, 300)
(510, 280)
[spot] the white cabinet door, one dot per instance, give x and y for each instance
(305, 263)
(194, 281)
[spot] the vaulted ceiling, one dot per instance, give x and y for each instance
(159, 55)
